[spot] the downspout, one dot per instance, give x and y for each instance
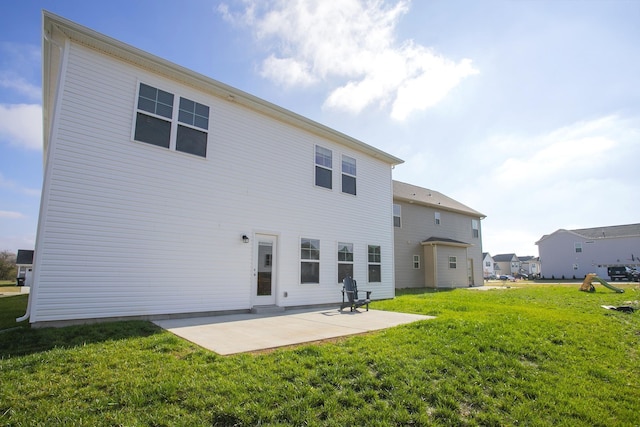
(48, 39)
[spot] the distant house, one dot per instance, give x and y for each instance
(507, 264)
(575, 253)
(488, 266)
(167, 193)
(24, 265)
(437, 240)
(530, 266)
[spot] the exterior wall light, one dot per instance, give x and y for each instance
(245, 238)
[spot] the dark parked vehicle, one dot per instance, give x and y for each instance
(617, 273)
(633, 274)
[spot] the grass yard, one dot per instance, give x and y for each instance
(536, 356)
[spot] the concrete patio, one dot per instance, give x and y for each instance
(239, 333)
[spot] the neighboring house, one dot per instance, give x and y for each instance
(169, 193)
(438, 241)
(507, 264)
(575, 253)
(530, 266)
(488, 266)
(24, 266)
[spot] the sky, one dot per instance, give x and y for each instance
(527, 111)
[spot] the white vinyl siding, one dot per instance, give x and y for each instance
(131, 231)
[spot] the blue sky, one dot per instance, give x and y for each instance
(527, 111)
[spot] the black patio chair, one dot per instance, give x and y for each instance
(350, 289)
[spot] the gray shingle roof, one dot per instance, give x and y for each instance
(503, 257)
(630, 230)
(424, 196)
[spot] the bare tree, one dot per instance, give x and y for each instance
(8, 267)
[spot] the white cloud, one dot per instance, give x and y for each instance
(21, 124)
(574, 151)
(20, 63)
(11, 215)
(20, 85)
(578, 176)
(15, 187)
(350, 45)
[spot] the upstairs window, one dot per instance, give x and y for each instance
(155, 121)
(397, 215)
(437, 218)
(578, 247)
(154, 128)
(193, 119)
(348, 175)
(324, 168)
(475, 228)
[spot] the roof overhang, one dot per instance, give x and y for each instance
(57, 31)
(434, 241)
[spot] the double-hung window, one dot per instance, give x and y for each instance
(437, 218)
(345, 261)
(397, 215)
(416, 262)
(453, 262)
(309, 261)
(348, 175)
(324, 168)
(475, 228)
(375, 261)
(158, 124)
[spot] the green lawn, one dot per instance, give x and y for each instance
(535, 356)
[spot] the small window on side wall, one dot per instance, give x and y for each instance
(397, 215)
(453, 262)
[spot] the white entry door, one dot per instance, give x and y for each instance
(264, 270)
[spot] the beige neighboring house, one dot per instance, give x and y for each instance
(507, 264)
(437, 240)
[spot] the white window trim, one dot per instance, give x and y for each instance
(454, 262)
(354, 176)
(174, 121)
(399, 216)
(416, 262)
(317, 165)
(339, 246)
(317, 261)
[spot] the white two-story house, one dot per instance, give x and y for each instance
(167, 193)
